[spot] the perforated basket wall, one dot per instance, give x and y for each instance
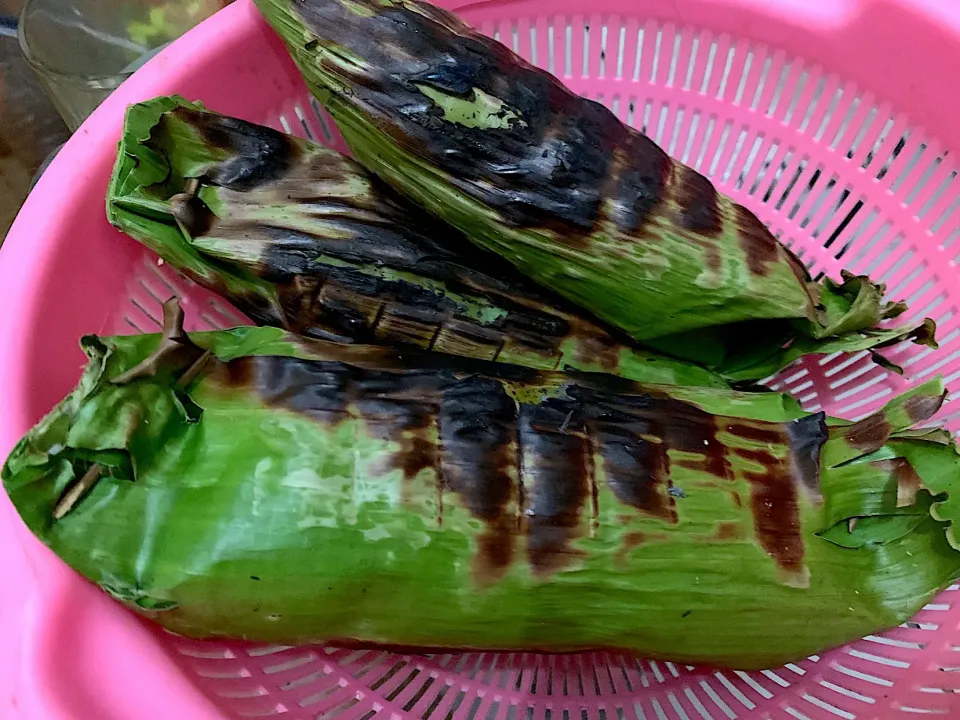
(846, 181)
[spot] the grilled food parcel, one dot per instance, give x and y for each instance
(300, 237)
(257, 484)
(575, 199)
(427, 463)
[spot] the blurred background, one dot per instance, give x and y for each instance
(30, 127)
(58, 60)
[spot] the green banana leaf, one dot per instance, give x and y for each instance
(555, 183)
(255, 484)
(300, 237)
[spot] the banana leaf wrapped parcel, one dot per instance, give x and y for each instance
(300, 237)
(255, 484)
(575, 199)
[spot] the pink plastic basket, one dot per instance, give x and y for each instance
(834, 120)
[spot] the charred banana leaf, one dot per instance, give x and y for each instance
(555, 183)
(255, 484)
(300, 237)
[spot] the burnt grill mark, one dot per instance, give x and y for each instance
(632, 435)
(358, 236)
(594, 493)
(431, 343)
(923, 407)
(476, 335)
(715, 463)
(760, 248)
(478, 430)
(268, 167)
(258, 154)
(712, 256)
(557, 475)
(438, 482)
(319, 390)
(776, 515)
(455, 338)
(417, 453)
(529, 470)
(191, 212)
(697, 204)
(539, 331)
(378, 316)
(631, 540)
(409, 326)
(237, 373)
(395, 407)
(521, 487)
(869, 434)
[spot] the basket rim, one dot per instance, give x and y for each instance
(33, 240)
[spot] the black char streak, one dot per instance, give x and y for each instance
(527, 469)
(564, 162)
(552, 167)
